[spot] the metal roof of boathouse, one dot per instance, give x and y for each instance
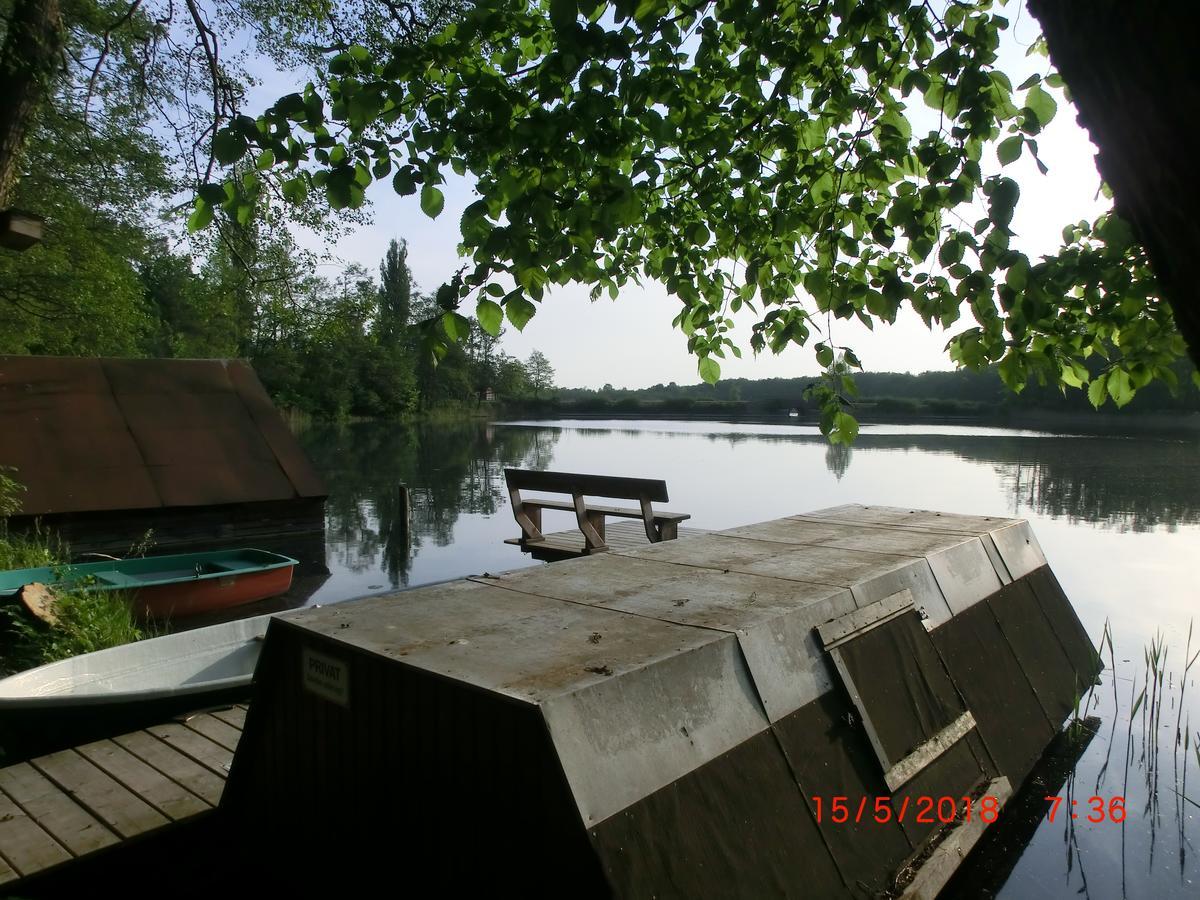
(92, 435)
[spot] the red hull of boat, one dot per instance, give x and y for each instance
(205, 595)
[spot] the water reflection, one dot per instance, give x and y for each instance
(449, 470)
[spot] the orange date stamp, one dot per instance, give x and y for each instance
(921, 810)
(1094, 809)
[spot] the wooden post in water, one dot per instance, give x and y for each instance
(405, 511)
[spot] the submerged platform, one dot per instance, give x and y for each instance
(758, 712)
(557, 546)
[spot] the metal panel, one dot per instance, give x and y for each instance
(989, 547)
(591, 579)
(525, 647)
(773, 618)
(793, 531)
(710, 551)
(831, 757)
(965, 574)
(916, 577)
(824, 565)
(1011, 721)
(621, 739)
(737, 827)
(1065, 622)
(927, 520)
(1038, 649)
(1019, 549)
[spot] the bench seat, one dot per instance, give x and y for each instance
(660, 525)
(628, 512)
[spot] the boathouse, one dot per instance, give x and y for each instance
(193, 450)
(798, 708)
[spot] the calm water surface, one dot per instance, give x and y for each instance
(1118, 519)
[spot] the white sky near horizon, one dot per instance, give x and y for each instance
(630, 342)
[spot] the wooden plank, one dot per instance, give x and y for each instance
(215, 730)
(181, 769)
(7, 873)
(104, 797)
(72, 825)
(945, 860)
(208, 753)
(25, 845)
(626, 512)
(870, 616)
(166, 795)
(235, 716)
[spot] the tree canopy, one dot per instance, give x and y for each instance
(767, 156)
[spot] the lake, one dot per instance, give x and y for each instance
(1118, 518)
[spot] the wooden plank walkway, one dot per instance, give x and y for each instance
(619, 536)
(66, 805)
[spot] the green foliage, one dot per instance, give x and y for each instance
(395, 293)
(746, 157)
(540, 373)
(10, 493)
(87, 621)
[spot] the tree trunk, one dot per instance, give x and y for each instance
(28, 60)
(1132, 72)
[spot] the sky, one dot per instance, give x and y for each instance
(630, 343)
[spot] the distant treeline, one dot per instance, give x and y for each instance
(881, 395)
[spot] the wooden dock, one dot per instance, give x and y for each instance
(621, 537)
(64, 806)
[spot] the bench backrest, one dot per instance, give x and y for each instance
(589, 485)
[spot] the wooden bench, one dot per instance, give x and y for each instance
(659, 525)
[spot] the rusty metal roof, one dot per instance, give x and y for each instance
(89, 435)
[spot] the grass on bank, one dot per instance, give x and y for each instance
(87, 621)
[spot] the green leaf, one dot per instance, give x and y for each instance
(1003, 201)
(951, 252)
(1097, 391)
(1041, 104)
(295, 190)
(201, 216)
(266, 159)
(403, 183)
(845, 429)
(710, 370)
(1009, 149)
(457, 327)
(1119, 387)
(490, 316)
(228, 146)
(563, 13)
(432, 200)
(519, 311)
(824, 356)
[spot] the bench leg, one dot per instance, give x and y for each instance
(591, 524)
(669, 531)
(596, 520)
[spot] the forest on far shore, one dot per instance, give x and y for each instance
(881, 395)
